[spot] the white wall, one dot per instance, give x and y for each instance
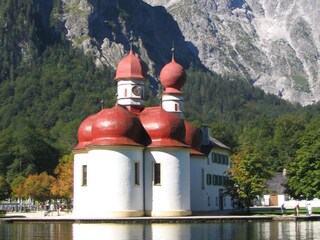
(80, 192)
(198, 192)
(208, 199)
(172, 196)
(110, 190)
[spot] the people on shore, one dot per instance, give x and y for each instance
(282, 208)
(297, 208)
(309, 209)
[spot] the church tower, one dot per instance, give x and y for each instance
(130, 83)
(173, 77)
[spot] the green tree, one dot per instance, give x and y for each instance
(5, 189)
(225, 133)
(287, 136)
(251, 162)
(248, 174)
(304, 170)
(17, 186)
(27, 150)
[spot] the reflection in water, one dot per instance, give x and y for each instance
(162, 231)
(108, 231)
(199, 231)
(31, 231)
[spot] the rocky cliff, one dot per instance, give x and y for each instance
(274, 44)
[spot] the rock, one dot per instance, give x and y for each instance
(274, 44)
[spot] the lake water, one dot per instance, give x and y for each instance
(196, 231)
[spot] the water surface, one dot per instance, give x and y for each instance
(162, 231)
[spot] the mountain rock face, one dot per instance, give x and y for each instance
(274, 44)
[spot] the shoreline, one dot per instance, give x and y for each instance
(38, 217)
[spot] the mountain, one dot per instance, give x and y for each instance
(48, 85)
(273, 44)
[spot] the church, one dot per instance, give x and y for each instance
(134, 161)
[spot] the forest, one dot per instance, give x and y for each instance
(47, 87)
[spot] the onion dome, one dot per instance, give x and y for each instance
(165, 129)
(173, 77)
(130, 67)
(193, 138)
(117, 126)
(85, 133)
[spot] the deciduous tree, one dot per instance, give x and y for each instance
(38, 187)
(17, 186)
(63, 186)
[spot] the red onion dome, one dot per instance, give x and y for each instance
(130, 67)
(172, 76)
(193, 138)
(85, 133)
(164, 128)
(117, 126)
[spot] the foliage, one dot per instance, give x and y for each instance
(304, 170)
(248, 183)
(63, 186)
(47, 88)
(25, 151)
(250, 166)
(288, 130)
(37, 187)
(17, 186)
(218, 99)
(5, 189)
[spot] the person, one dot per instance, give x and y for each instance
(309, 209)
(58, 209)
(297, 208)
(282, 208)
(51, 209)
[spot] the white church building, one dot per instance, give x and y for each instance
(135, 161)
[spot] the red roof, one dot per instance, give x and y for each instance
(172, 76)
(164, 128)
(85, 133)
(117, 126)
(130, 67)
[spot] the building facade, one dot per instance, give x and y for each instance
(136, 161)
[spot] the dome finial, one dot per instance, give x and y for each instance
(131, 40)
(172, 50)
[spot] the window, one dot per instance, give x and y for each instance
(202, 178)
(84, 175)
(176, 107)
(214, 157)
(125, 92)
(156, 174)
(136, 174)
(214, 180)
(219, 158)
(216, 177)
(208, 179)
